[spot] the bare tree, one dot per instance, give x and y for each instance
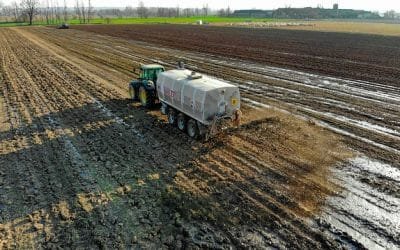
(391, 14)
(15, 11)
(89, 11)
(65, 11)
(6, 12)
(221, 12)
(142, 10)
(228, 11)
(129, 11)
(51, 11)
(47, 12)
(57, 12)
(30, 9)
(78, 11)
(197, 12)
(224, 12)
(187, 12)
(2, 14)
(205, 9)
(1, 10)
(83, 12)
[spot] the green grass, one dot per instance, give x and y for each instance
(153, 20)
(12, 24)
(176, 20)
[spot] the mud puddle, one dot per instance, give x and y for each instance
(366, 210)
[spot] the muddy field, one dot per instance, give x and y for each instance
(83, 167)
(360, 57)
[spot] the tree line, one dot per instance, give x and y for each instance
(47, 11)
(391, 14)
(57, 11)
(144, 12)
(24, 10)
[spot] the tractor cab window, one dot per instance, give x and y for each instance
(150, 74)
(144, 74)
(156, 72)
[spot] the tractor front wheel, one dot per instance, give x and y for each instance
(133, 93)
(145, 97)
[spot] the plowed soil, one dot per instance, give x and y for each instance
(360, 57)
(81, 166)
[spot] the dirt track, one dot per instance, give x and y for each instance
(355, 56)
(82, 167)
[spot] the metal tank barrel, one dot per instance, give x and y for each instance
(201, 97)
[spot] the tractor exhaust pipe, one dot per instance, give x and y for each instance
(181, 65)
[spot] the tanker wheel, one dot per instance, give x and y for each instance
(193, 129)
(133, 93)
(164, 108)
(172, 116)
(181, 121)
(145, 98)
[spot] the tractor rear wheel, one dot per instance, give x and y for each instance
(133, 93)
(172, 116)
(193, 129)
(181, 121)
(145, 97)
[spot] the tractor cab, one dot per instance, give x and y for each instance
(144, 88)
(150, 72)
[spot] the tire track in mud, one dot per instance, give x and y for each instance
(60, 97)
(60, 103)
(375, 224)
(97, 126)
(47, 168)
(16, 91)
(214, 61)
(237, 75)
(20, 173)
(258, 194)
(65, 91)
(143, 53)
(349, 128)
(332, 57)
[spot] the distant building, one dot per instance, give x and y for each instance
(319, 13)
(308, 13)
(253, 13)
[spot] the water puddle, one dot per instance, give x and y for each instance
(375, 167)
(361, 212)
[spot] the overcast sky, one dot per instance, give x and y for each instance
(374, 5)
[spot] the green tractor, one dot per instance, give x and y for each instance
(144, 88)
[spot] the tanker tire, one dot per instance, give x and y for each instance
(181, 121)
(192, 129)
(171, 116)
(164, 108)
